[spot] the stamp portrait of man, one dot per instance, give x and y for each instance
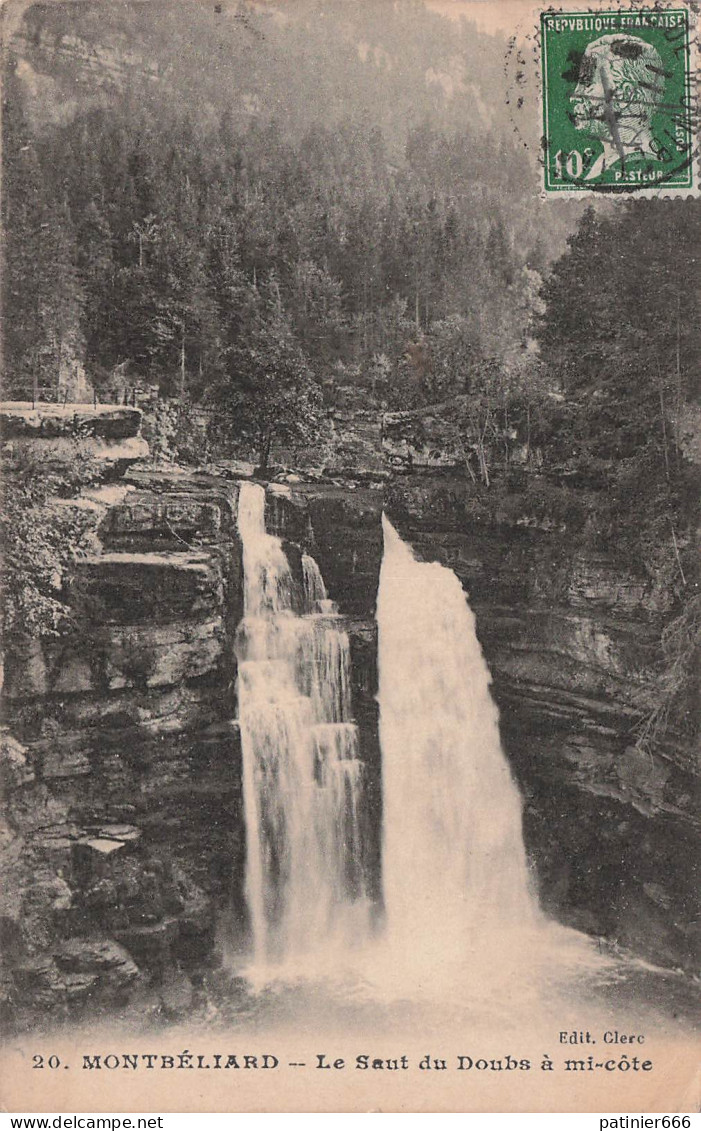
(621, 84)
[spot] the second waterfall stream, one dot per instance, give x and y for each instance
(453, 862)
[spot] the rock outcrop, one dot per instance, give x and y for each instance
(53, 435)
(122, 774)
(120, 758)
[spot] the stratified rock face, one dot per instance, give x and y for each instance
(52, 434)
(423, 439)
(572, 639)
(356, 444)
(46, 421)
(123, 826)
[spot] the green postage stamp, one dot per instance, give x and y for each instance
(619, 101)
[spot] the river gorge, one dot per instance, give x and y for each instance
(212, 777)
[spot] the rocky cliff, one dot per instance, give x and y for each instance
(121, 769)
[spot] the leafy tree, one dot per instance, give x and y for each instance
(269, 395)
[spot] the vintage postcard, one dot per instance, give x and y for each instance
(350, 612)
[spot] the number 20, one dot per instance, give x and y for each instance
(52, 1062)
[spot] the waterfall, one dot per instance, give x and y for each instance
(302, 777)
(455, 874)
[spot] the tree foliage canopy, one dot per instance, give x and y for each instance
(143, 239)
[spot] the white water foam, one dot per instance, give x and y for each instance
(462, 915)
(302, 778)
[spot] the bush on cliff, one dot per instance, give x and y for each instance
(44, 533)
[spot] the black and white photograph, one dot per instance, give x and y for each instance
(351, 432)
